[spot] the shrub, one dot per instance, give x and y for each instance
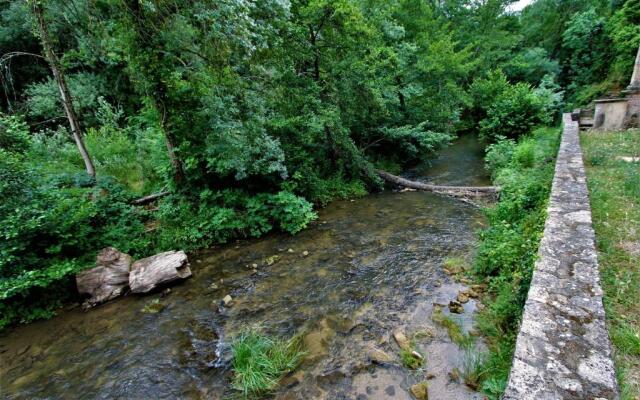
(52, 228)
(499, 155)
(514, 113)
(14, 134)
(292, 213)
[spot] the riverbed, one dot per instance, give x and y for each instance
(365, 269)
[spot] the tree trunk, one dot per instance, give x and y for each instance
(455, 191)
(67, 101)
(159, 97)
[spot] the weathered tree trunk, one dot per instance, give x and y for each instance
(108, 280)
(152, 272)
(456, 191)
(159, 97)
(67, 100)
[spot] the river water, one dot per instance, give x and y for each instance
(365, 269)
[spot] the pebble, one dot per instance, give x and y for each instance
(227, 300)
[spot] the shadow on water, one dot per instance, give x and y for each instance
(365, 269)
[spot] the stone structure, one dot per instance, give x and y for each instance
(610, 114)
(618, 113)
(635, 77)
(563, 349)
(632, 95)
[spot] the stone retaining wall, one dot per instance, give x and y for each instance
(563, 349)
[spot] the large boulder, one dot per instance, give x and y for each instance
(152, 272)
(109, 279)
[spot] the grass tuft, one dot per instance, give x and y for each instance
(473, 368)
(259, 361)
(463, 340)
(409, 359)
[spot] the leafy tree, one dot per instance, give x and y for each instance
(586, 47)
(624, 30)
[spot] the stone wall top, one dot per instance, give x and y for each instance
(563, 349)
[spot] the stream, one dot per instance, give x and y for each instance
(365, 269)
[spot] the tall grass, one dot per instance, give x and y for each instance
(614, 191)
(259, 361)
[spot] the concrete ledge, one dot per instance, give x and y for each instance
(563, 349)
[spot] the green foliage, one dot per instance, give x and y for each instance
(586, 44)
(260, 361)
(43, 99)
(508, 248)
(291, 212)
(14, 134)
(514, 112)
(624, 30)
(221, 215)
(530, 65)
(498, 155)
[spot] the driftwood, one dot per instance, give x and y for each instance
(152, 272)
(455, 191)
(108, 280)
(149, 199)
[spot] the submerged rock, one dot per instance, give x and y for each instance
(108, 280)
(402, 340)
(269, 261)
(420, 391)
(227, 300)
(153, 307)
(152, 272)
(455, 307)
(463, 297)
(378, 356)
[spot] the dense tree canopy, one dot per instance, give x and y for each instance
(251, 112)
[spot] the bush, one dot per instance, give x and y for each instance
(514, 113)
(217, 216)
(14, 134)
(499, 155)
(51, 227)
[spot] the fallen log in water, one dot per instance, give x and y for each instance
(455, 191)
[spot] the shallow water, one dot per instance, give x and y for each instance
(374, 266)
